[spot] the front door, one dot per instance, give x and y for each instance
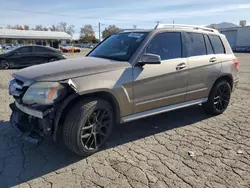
(23, 56)
(163, 84)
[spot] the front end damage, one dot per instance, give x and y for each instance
(37, 121)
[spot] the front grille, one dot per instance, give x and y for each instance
(17, 89)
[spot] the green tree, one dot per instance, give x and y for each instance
(110, 30)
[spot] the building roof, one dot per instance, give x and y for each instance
(31, 34)
(234, 28)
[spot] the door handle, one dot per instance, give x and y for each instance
(180, 66)
(213, 59)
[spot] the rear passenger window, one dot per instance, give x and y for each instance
(208, 45)
(166, 45)
(196, 44)
(42, 49)
(217, 44)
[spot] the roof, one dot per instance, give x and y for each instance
(31, 34)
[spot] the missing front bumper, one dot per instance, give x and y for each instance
(33, 112)
(30, 124)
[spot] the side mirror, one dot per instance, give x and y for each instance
(150, 59)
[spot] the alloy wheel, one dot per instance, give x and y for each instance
(4, 64)
(95, 130)
(222, 97)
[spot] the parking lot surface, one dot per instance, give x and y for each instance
(183, 148)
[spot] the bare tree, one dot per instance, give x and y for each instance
(66, 28)
(111, 29)
(26, 27)
(40, 28)
(53, 28)
(87, 30)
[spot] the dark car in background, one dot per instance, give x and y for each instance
(29, 55)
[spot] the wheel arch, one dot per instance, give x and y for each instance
(227, 77)
(72, 99)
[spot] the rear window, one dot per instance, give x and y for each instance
(217, 44)
(42, 49)
(196, 44)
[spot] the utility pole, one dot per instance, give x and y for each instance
(173, 23)
(99, 27)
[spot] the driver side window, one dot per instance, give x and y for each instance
(167, 45)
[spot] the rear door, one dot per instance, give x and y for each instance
(204, 65)
(162, 84)
(41, 54)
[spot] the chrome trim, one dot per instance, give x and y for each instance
(32, 112)
(161, 110)
(198, 90)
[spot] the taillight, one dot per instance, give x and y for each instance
(236, 64)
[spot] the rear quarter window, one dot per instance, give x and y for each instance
(217, 44)
(42, 49)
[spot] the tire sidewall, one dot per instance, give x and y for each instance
(83, 118)
(213, 93)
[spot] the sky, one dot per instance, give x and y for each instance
(124, 14)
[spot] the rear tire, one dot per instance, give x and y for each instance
(4, 64)
(219, 98)
(88, 125)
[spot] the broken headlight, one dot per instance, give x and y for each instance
(44, 93)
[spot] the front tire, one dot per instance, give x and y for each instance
(219, 98)
(88, 125)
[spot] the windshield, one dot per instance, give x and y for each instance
(119, 46)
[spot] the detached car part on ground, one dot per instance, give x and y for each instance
(26, 56)
(130, 75)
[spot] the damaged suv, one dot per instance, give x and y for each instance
(130, 75)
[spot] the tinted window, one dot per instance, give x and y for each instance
(42, 49)
(217, 44)
(208, 45)
(26, 49)
(166, 45)
(119, 46)
(196, 44)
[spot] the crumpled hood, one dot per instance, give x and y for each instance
(69, 68)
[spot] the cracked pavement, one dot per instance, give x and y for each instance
(183, 148)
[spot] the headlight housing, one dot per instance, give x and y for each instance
(44, 93)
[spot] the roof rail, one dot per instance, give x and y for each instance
(125, 30)
(186, 26)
